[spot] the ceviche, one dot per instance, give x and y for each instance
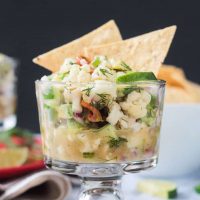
(99, 111)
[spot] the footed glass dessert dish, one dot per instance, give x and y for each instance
(100, 131)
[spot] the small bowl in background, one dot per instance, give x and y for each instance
(180, 141)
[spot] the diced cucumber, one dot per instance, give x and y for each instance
(50, 109)
(65, 111)
(52, 103)
(48, 93)
(73, 125)
(108, 130)
(52, 93)
(163, 189)
(150, 118)
(51, 113)
(96, 62)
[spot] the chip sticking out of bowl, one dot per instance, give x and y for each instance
(143, 53)
(53, 59)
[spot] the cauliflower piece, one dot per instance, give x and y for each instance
(67, 65)
(83, 77)
(146, 97)
(72, 77)
(67, 96)
(76, 101)
(126, 122)
(105, 87)
(103, 73)
(86, 68)
(45, 78)
(88, 146)
(135, 105)
(115, 114)
(136, 126)
(136, 111)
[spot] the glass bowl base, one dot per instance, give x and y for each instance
(94, 170)
(100, 181)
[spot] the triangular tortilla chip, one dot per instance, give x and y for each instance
(178, 95)
(194, 90)
(142, 53)
(53, 59)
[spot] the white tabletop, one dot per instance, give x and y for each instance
(185, 188)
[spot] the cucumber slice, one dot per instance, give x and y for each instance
(197, 188)
(163, 189)
(107, 131)
(135, 76)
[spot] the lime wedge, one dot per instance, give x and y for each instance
(163, 189)
(13, 157)
(135, 76)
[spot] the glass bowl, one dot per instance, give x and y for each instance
(100, 131)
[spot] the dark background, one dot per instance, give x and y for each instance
(31, 27)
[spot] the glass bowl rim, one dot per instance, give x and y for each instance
(136, 83)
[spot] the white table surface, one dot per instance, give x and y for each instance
(185, 188)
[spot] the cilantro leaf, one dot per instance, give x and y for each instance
(113, 142)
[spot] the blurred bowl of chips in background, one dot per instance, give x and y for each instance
(180, 134)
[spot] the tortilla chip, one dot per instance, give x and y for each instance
(193, 89)
(178, 95)
(53, 59)
(174, 76)
(142, 53)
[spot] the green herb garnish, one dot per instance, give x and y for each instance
(87, 90)
(96, 62)
(113, 142)
(88, 154)
(123, 64)
(105, 72)
(103, 101)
